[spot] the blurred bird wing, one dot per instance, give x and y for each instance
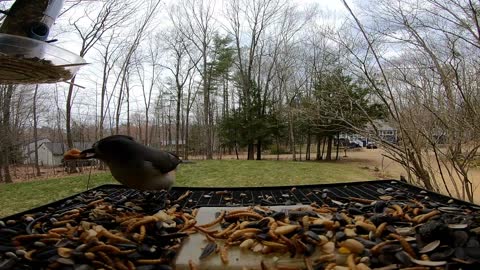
(164, 161)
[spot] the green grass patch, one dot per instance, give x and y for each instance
(19, 197)
(233, 173)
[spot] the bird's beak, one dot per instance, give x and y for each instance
(88, 153)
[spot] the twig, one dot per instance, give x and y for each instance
(73, 65)
(74, 84)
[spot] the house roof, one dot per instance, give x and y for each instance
(26, 143)
(381, 125)
(58, 148)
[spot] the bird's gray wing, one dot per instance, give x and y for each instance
(163, 161)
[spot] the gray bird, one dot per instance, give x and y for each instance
(133, 164)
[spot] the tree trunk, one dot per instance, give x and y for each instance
(308, 150)
(6, 169)
(292, 138)
(68, 113)
(169, 131)
(185, 155)
(329, 148)
(35, 131)
(319, 142)
(338, 144)
(177, 124)
(128, 107)
(119, 103)
(7, 136)
(250, 151)
(146, 127)
(324, 142)
(236, 151)
(72, 168)
(139, 132)
(300, 148)
(278, 148)
(206, 104)
(259, 150)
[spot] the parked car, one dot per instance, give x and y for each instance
(354, 144)
(372, 145)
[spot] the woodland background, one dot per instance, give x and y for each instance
(209, 78)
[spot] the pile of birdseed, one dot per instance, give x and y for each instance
(21, 70)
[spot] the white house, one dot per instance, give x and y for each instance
(385, 131)
(49, 153)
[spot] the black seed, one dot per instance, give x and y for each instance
(460, 253)
(309, 249)
(473, 253)
(7, 264)
(85, 267)
(312, 235)
(460, 238)
(403, 258)
(340, 236)
(442, 254)
(355, 211)
(365, 242)
(8, 231)
(45, 253)
(7, 248)
(391, 248)
(171, 236)
(278, 215)
(473, 243)
(379, 206)
(433, 230)
(263, 222)
(65, 261)
(263, 237)
(208, 250)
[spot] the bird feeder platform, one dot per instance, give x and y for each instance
(28, 61)
(158, 230)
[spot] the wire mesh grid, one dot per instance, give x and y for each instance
(329, 194)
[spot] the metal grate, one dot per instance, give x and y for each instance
(355, 198)
(307, 194)
(330, 194)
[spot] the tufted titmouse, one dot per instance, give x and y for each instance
(133, 164)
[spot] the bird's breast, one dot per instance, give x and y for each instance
(145, 178)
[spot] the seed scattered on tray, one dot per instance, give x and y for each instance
(127, 229)
(348, 234)
(96, 231)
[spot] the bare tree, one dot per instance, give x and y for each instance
(110, 54)
(152, 58)
(256, 17)
(194, 19)
(6, 95)
(429, 90)
(35, 130)
(135, 36)
(181, 68)
(111, 14)
(192, 92)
